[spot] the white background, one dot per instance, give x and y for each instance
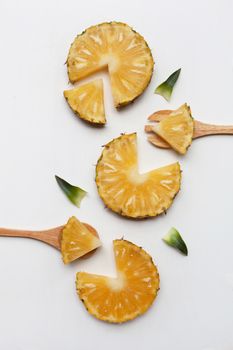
(40, 137)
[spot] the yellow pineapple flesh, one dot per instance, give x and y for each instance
(87, 101)
(128, 295)
(129, 193)
(117, 46)
(176, 128)
(77, 240)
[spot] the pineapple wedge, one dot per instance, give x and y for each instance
(117, 46)
(176, 128)
(128, 295)
(87, 101)
(77, 240)
(129, 193)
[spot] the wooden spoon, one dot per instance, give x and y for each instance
(200, 129)
(51, 236)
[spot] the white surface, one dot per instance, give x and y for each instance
(40, 137)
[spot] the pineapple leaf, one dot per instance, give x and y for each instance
(165, 89)
(73, 193)
(174, 239)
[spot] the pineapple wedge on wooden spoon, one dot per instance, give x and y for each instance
(177, 129)
(74, 240)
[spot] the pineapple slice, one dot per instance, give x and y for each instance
(129, 193)
(87, 101)
(77, 240)
(117, 46)
(176, 128)
(128, 295)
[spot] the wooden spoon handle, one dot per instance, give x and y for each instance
(202, 129)
(51, 236)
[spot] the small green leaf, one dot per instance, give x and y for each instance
(165, 89)
(75, 194)
(174, 239)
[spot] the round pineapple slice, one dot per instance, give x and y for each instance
(87, 101)
(177, 129)
(128, 295)
(129, 193)
(122, 50)
(77, 240)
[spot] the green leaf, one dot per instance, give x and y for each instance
(174, 239)
(165, 89)
(75, 194)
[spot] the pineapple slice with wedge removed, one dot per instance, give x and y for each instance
(176, 128)
(117, 46)
(87, 101)
(129, 193)
(77, 240)
(128, 295)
